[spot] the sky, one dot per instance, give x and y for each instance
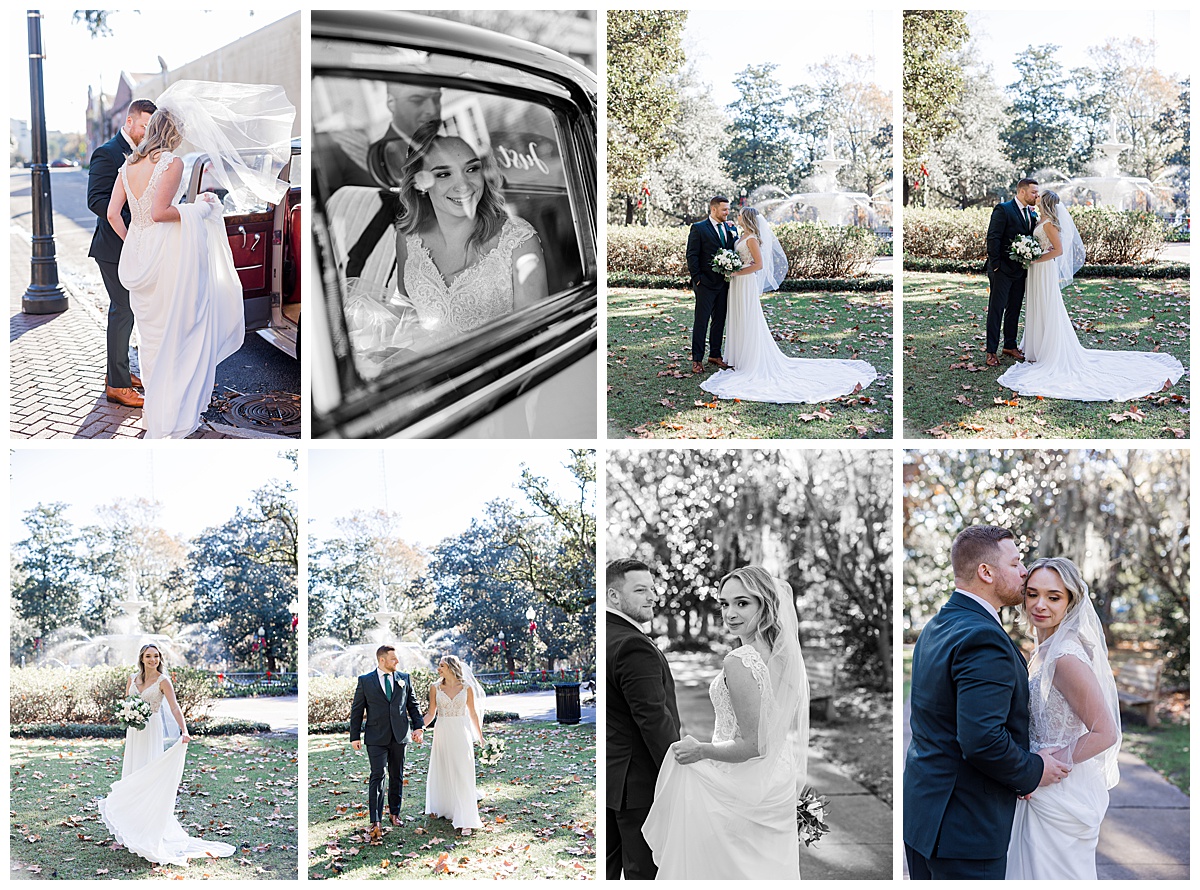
(199, 487)
(999, 36)
(436, 487)
(74, 59)
(725, 42)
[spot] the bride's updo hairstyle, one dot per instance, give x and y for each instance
(766, 590)
(1050, 201)
(162, 663)
(750, 221)
(455, 664)
(1072, 582)
(163, 133)
(416, 210)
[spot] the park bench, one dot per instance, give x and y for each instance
(1138, 687)
(822, 682)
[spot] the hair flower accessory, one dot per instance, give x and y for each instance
(423, 181)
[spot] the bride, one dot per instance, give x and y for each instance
(456, 700)
(140, 809)
(461, 259)
(726, 809)
(760, 372)
(1056, 366)
(177, 264)
(1075, 712)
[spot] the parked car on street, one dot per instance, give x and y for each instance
(530, 113)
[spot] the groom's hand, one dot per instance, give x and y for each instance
(356, 744)
(418, 735)
(1053, 770)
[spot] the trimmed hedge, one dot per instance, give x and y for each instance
(979, 267)
(814, 250)
(1110, 237)
(342, 727)
(89, 695)
(217, 727)
(330, 698)
(870, 284)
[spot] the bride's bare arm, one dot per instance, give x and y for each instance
(169, 693)
(1077, 683)
(115, 203)
(475, 715)
(529, 273)
(756, 260)
(163, 209)
(432, 712)
(745, 697)
(1056, 247)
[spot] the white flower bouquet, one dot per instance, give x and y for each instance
(491, 752)
(726, 262)
(133, 711)
(810, 817)
(1024, 250)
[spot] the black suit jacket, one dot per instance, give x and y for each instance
(642, 717)
(703, 244)
(386, 721)
(1006, 224)
(969, 757)
(102, 176)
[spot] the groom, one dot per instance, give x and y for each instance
(386, 699)
(1006, 277)
(711, 289)
(106, 250)
(642, 718)
(969, 757)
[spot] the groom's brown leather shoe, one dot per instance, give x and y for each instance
(1015, 353)
(720, 363)
(697, 368)
(395, 819)
(992, 361)
(134, 380)
(376, 832)
(124, 396)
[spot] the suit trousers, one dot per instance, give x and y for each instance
(391, 758)
(711, 306)
(627, 850)
(120, 326)
(937, 869)
(1005, 296)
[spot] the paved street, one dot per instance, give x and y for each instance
(57, 361)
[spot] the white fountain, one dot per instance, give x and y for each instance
(1107, 186)
(330, 657)
(822, 199)
(120, 645)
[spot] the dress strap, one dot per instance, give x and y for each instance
(516, 232)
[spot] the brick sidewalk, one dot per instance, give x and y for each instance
(56, 371)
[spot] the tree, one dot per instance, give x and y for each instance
(1038, 134)
(46, 569)
(932, 82)
(858, 113)
(967, 166)
(644, 49)
(759, 151)
(1175, 124)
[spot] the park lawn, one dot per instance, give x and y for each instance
(237, 789)
(538, 811)
(652, 393)
(949, 392)
(1166, 748)
(859, 741)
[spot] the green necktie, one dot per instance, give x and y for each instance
(387, 686)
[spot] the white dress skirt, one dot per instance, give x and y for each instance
(450, 790)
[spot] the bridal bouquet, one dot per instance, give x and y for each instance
(810, 817)
(726, 262)
(490, 752)
(133, 712)
(1024, 250)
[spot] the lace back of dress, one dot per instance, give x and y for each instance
(140, 209)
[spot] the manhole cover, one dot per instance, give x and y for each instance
(267, 412)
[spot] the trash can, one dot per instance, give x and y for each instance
(566, 699)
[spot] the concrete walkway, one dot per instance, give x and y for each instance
(282, 712)
(537, 705)
(1146, 834)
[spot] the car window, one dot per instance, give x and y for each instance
(434, 297)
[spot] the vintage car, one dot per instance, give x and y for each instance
(531, 113)
(266, 251)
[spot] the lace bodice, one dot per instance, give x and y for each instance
(743, 250)
(452, 707)
(718, 692)
(481, 292)
(1053, 724)
(153, 694)
(1039, 232)
(139, 208)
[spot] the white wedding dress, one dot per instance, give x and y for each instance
(761, 373)
(450, 790)
(187, 302)
(140, 809)
(1056, 366)
(718, 821)
(1055, 832)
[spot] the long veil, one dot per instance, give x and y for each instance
(1072, 258)
(244, 128)
(471, 682)
(786, 736)
(775, 261)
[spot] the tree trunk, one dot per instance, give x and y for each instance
(630, 207)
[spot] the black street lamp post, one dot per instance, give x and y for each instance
(44, 295)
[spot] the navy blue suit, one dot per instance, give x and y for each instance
(711, 289)
(387, 726)
(106, 251)
(1006, 278)
(969, 757)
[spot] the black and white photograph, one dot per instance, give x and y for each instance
(1046, 661)
(455, 176)
(748, 673)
